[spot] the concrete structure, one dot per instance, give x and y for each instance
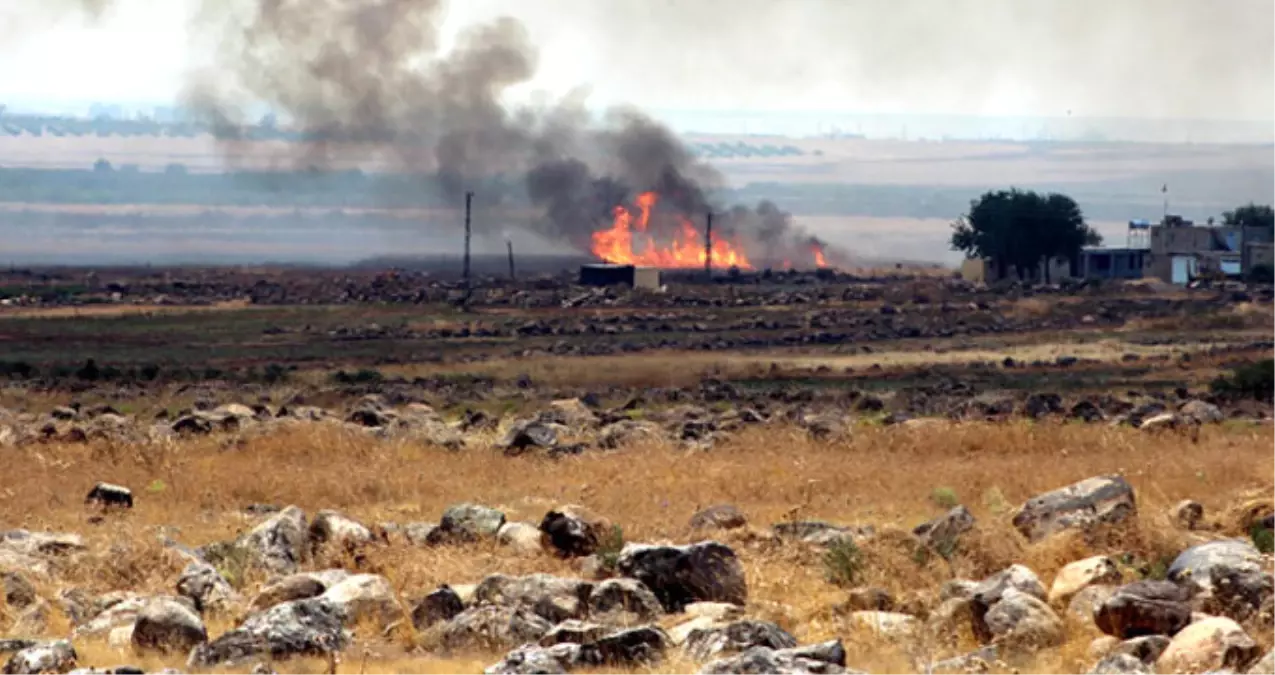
(605, 274)
(986, 271)
(1110, 263)
(1182, 251)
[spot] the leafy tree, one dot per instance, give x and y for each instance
(1022, 228)
(1251, 215)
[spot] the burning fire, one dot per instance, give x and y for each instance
(615, 245)
(817, 249)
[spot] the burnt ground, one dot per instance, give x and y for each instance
(915, 345)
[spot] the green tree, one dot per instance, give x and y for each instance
(1251, 215)
(1022, 229)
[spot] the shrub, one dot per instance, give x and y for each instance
(609, 548)
(843, 562)
(1251, 380)
(1263, 538)
(944, 498)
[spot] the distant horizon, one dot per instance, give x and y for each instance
(823, 123)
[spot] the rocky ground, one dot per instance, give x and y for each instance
(924, 477)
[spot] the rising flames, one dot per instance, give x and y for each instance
(817, 249)
(616, 245)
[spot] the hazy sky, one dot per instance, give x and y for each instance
(1128, 58)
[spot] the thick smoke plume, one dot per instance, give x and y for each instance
(368, 81)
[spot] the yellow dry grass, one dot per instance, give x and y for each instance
(113, 310)
(883, 476)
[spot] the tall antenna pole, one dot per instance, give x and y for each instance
(469, 199)
(509, 243)
(708, 247)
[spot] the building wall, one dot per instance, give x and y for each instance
(646, 277)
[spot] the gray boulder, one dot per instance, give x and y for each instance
(1023, 620)
(526, 435)
(737, 636)
(1197, 564)
(279, 543)
(1120, 664)
(719, 517)
(168, 626)
(991, 590)
(680, 575)
(311, 627)
(624, 601)
(49, 657)
(1201, 412)
(466, 523)
(493, 627)
(1146, 649)
(204, 586)
(827, 658)
(365, 598)
(943, 533)
(553, 598)
(573, 530)
(1102, 499)
(335, 529)
(1144, 608)
(538, 660)
(298, 586)
(818, 532)
(440, 605)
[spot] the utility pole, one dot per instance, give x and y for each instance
(509, 243)
(469, 199)
(708, 247)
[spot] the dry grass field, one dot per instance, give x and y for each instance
(886, 477)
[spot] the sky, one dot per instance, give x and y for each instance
(1162, 59)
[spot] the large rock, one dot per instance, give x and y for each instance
(1144, 608)
(538, 660)
(1102, 499)
(679, 575)
(573, 413)
(718, 517)
(624, 649)
(1196, 564)
(1146, 649)
(467, 523)
(819, 533)
(553, 598)
(1201, 412)
(984, 596)
(365, 598)
(522, 537)
(1237, 593)
(737, 636)
(1077, 575)
(493, 627)
(943, 533)
(1120, 664)
(1023, 620)
(109, 612)
(1210, 644)
(828, 657)
(526, 435)
(168, 626)
(334, 529)
(311, 627)
(574, 530)
(442, 604)
(624, 601)
(298, 586)
(50, 657)
(279, 544)
(204, 586)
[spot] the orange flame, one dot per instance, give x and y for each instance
(820, 262)
(615, 245)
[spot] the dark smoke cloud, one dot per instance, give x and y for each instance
(366, 80)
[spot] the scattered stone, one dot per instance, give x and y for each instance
(1103, 499)
(332, 528)
(311, 627)
(493, 627)
(107, 495)
(466, 523)
(1201, 412)
(571, 630)
(204, 586)
(626, 648)
(1144, 608)
(528, 434)
(1197, 564)
(719, 517)
(365, 597)
(297, 587)
(1023, 620)
(943, 533)
(50, 657)
(1075, 576)
(1236, 593)
(279, 543)
(1208, 645)
(18, 591)
(619, 599)
(523, 537)
(555, 599)
(1146, 649)
(1187, 514)
(574, 530)
(168, 626)
(1120, 664)
(443, 604)
(819, 533)
(538, 660)
(738, 636)
(679, 575)
(827, 658)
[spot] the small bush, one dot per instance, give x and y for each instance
(994, 500)
(1263, 538)
(610, 546)
(944, 498)
(1251, 380)
(363, 376)
(843, 563)
(275, 373)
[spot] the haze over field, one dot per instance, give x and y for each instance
(494, 97)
